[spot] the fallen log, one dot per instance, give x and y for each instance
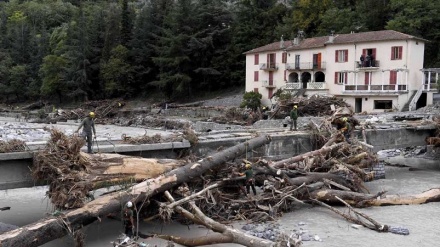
(366, 200)
(300, 157)
(48, 229)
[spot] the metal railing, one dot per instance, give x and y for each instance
(367, 64)
(376, 88)
(308, 65)
(268, 66)
(429, 86)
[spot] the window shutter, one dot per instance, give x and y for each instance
(373, 53)
(336, 77)
(400, 52)
(392, 53)
(346, 56)
(270, 94)
(285, 75)
(255, 75)
(346, 78)
(256, 59)
(336, 56)
(256, 90)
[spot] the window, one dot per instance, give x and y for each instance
(284, 58)
(255, 90)
(393, 77)
(255, 75)
(256, 59)
(396, 53)
(383, 104)
(341, 56)
(341, 77)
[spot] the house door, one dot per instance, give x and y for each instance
(271, 60)
(358, 105)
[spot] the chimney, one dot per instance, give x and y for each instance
(331, 38)
(296, 41)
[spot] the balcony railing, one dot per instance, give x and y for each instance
(310, 85)
(376, 88)
(268, 84)
(268, 66)
(305, 66)
(375, 64)
(429, 86)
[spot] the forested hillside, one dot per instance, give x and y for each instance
(82, 50)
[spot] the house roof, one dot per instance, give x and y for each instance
(384, 35)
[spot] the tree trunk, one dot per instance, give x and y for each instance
(366, 200)
(300, 157)
(51, 228)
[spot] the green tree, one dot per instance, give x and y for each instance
(173, 59)
(307, 15)
(116, 72)
(419, 18)
(251, 100)
(18, 81)
(145, 42)
(53, 73)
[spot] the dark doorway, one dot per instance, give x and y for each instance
(305, 77)
(422, 101)
(358, 105)
(319, 77)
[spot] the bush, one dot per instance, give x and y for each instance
(251, 100)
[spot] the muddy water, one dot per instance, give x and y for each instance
(423, 221)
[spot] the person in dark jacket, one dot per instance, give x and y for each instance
(346, 129)
(128, 219)
(88, 126)
(293, 117)
(250, 182)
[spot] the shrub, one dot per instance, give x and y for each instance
(251, 100)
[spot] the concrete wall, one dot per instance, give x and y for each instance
(15, 174)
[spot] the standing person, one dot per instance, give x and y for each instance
(88, 125)
(346, 129)
(368, 61)
(362, 60)
(293, 116)
(128, 219)
(250, 182)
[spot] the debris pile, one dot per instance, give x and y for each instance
(314, 106)
(13, 145)
(64, 166)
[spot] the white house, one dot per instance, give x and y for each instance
(372, 71)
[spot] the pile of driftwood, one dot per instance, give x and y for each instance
(208, 191)
(73, 175)
(13, 145)
(314, 106)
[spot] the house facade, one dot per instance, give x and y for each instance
(372, 71)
